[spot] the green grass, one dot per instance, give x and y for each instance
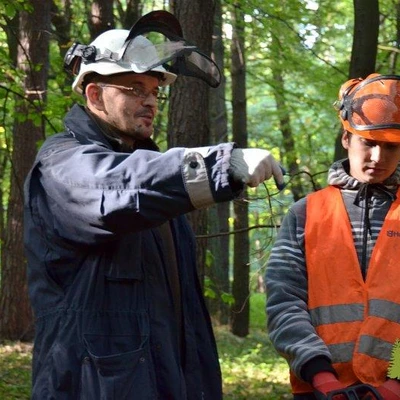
(15, 370)
(251, 369)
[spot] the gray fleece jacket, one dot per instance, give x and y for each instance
(289, 323)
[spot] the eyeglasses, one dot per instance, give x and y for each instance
(137, 91)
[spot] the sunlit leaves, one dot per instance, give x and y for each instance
(9, 8)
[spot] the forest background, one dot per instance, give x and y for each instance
(283, 62)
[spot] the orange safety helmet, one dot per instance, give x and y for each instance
(370, 107)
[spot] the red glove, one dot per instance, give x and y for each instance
(325, 382)
(390, 390)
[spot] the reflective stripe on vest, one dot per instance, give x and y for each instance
(359, 321)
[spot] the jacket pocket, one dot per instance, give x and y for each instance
(117, 367)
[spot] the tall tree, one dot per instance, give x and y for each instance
(365, 38)
(101, 17)
(240, 312)
(365, 47)
(130, 13)
(61, 18)
(218, 220)
(10, 26)
(394, 53)
(284, 120)
(188, 116)
(33, 60)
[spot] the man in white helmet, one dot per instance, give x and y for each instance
(111, 258)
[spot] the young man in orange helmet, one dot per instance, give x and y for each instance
(333, 276)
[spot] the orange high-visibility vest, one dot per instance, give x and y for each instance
(358, 320)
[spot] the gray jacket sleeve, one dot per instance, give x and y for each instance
(289, 323)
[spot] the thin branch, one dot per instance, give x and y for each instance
(212, 235)
(31, 102)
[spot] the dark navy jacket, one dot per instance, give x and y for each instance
(97, 271)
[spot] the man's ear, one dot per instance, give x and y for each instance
(345, 139)
(94, 96)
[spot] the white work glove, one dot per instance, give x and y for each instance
(254, 166)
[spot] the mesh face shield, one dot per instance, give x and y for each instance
(176, 56)
(144, 57)
(174, 53)
(371, 107)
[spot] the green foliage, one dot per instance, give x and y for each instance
(9, 8)
(309, 43)
(394, 365)
(209, 292)
(227, 298)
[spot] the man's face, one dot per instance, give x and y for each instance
(129, 103)
(371, 161)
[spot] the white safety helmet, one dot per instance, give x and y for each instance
(111, 42)
(154, 43)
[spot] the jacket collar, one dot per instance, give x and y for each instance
(339, 176)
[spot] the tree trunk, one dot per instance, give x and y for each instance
(3, 169)
(33, 51)
(61, 17)
(284, 124)
(365, 39)
(188, 116)
(240, 312)
(218, 220)
(133, 11)
(364, 50)
(394, 56)
(101, 17)
(11, 29)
